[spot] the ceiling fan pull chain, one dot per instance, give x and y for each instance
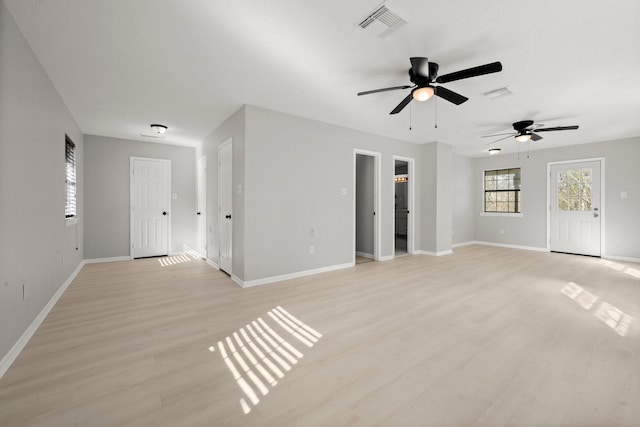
(410, 116)
(436, 107)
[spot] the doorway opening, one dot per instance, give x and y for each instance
(403, 205)
(366, 206)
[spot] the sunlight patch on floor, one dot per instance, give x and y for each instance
(620, 267)
(608, 314)
(256, 354)
(174, 260)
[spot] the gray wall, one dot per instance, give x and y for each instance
(107, 201)
(36, 247)
(444, 202)
(365, 204)
(436, 197)
(621, 225)
(464, 214)
(295, 168)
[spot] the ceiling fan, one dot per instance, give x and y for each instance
(526, 130)
(424, 75)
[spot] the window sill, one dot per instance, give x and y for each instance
(503, 214)
(71, 221)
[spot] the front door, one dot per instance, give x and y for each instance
(575, 211)
(225, 207)
(150, 202)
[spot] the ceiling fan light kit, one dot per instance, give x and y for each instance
(422, 93)
(523, 137)
(494, 151)
(159, 129)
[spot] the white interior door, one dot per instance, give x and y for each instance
(150, 202)
(575, 211)
(225, 207)
(202, 207)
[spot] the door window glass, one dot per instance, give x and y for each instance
(574, 189)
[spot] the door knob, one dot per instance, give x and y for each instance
(595, 215)
(164, 213)
(228, 216)
(198, 213)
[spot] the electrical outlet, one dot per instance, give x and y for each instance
(312, 250)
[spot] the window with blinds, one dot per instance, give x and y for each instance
(70, 207)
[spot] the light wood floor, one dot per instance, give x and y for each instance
(486, 336)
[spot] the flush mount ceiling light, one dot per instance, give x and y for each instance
(523, 137)
(159, 129)
(494, 151)
(422, 93)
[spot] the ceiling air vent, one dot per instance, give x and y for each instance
(498, 93)
(383, 21)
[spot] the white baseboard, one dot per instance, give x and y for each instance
(621, 258)
(502, 245)
(459, 245)
(273, 279)
(14, 352)
(238, 281)
(192, 252)
(386, 258)
(111, 259)
(447, 252)
(364, 255)
(212, 263)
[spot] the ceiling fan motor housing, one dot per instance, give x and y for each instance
(422, 81)
(521, 126)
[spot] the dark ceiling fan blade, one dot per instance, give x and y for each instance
(480, 70)
(535, 137)
(368, 92)
(498, 134)
(402, 104)
(450, 95)
(420, 66)
(557, 128)
(498, 140)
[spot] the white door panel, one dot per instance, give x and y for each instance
(150, 195)
(202, 207)
(575, 211)
(225, 207)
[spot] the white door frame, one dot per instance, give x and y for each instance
(228, 142)
(201, 214)
(376, 202)
(410, 205)
(602, 199)
(132, 159)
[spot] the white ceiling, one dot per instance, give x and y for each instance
(121, 65)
